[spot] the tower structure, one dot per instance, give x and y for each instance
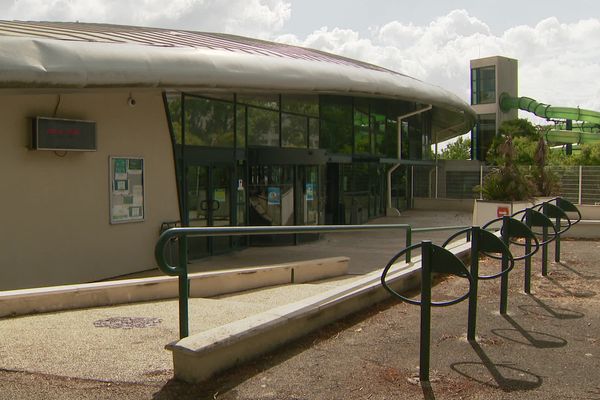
(490, 77)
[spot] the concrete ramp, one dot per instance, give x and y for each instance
(200, 356)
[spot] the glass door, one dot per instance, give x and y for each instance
(208, 204)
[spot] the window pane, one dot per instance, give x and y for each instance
(227, 97)
(174, 113)
(362, 140)
(260, 100)
(483, 85)
(293, 130)
(208, 122)
(306, 105)
(313, 133)
(336, 124)
(263, 127)
(486, 131)
(389, 148)
(379, 133)
(240, 128)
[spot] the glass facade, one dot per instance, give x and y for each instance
(263, 127)
(482, 135)
(336, 124)
(282, 159)
(209, 122)
(483, 85)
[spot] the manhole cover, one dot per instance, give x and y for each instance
(127, 322)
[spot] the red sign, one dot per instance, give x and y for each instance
(502, 211)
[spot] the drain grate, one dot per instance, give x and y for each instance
(127, 322)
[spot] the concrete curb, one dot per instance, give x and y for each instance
(586, 228)
(198, 357)
(202, 284)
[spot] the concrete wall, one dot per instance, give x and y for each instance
(55, 207)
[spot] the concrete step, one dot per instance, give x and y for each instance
(202, 284)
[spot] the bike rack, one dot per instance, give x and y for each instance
(482, 242)
(434, 259)
(533, 218)
(564, 206)
(511, 228)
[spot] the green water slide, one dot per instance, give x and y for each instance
(587, 131)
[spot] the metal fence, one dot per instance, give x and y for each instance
(459, 179)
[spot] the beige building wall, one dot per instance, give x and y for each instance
(55, 207)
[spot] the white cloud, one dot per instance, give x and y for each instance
(558, 63)
(258, 18)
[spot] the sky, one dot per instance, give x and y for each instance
(557, 43)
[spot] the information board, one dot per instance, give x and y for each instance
(126, 189)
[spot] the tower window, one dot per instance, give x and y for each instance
(483, 85)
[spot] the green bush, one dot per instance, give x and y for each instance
(507, 182)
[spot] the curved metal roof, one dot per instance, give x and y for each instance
(83, 55)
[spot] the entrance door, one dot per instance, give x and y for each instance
(208, 204)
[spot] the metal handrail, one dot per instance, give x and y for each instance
(183, 233)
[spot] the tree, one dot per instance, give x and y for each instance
(458, 150)
(546, 182)
(518, 145)
(524, 140)
(518, 128)
(588, 155)
(507, 182)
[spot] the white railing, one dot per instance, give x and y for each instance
(457, 180)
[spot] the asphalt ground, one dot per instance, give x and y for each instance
(546, 347)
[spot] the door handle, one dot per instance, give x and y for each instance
(204, 205)
(213, 205)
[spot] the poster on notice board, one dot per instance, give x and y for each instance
(273, 196)
(126, 189)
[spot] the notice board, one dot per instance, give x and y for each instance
(126, 189)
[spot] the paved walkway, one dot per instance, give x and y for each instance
(125, 343)
(367, 250)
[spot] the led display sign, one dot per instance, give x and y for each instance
(63, 134)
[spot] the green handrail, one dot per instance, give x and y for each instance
(182, 234)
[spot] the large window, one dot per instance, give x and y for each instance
(363, 186)
(362, 130)
(299, 121)
(483, 85)
(483, 134)
(263, 127)
(336, 124)
(173, 105)
(342, 125)
(294, 131)
(208, 122)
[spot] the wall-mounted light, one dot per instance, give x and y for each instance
(131, 101)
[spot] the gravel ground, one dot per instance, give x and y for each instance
(547, 347)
